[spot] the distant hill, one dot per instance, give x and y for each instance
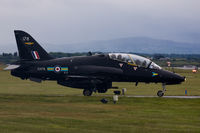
(131, 44)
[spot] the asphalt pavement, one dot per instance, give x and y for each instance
(186, 97)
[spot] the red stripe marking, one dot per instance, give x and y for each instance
(37, 55)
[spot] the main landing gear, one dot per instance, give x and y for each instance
(160, 93)
(87, 92)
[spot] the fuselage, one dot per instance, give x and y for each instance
(98, 66)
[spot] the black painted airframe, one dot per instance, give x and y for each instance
(92, 73)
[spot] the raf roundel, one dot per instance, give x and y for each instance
(57, 69)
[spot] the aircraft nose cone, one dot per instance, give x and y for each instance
(178, 79)
(172, 78)
(184, 78)
(181, 79)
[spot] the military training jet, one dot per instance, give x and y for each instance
(92, 73)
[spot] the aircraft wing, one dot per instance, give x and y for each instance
(97, 74)
(77, 76)
(85, 77)
(89, 70)
(11, 67)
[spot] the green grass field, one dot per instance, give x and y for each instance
(48, 108)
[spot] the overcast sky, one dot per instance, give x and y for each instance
(68, 21)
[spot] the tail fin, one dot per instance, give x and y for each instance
(28, 48)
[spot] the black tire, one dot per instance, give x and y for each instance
(87, 92)
(160, 93)
(102, 90)
(117, 92)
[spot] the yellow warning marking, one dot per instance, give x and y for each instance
(155, 74)
(29, 43)
(50, 68)
(64, 68)
(132, 64)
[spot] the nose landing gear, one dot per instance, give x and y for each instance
(161, 93)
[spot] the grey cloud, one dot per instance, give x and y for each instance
(68, 21)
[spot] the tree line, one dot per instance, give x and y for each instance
(176, 59)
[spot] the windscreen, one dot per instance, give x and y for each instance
(154, 66)
(134, 60)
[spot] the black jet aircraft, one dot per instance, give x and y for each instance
(92, 73)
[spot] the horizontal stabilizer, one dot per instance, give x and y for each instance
(11, 67)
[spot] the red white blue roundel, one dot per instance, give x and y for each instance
(57, 69)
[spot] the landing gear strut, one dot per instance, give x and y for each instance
(87, 92)
(161, 93)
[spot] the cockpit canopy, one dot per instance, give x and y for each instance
(134, 60)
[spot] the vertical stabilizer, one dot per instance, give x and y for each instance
(28, 48)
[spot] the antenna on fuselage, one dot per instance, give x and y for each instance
(89, 53)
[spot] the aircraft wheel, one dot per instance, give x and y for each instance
(160, 93)
(102, 90)
(87, 92)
